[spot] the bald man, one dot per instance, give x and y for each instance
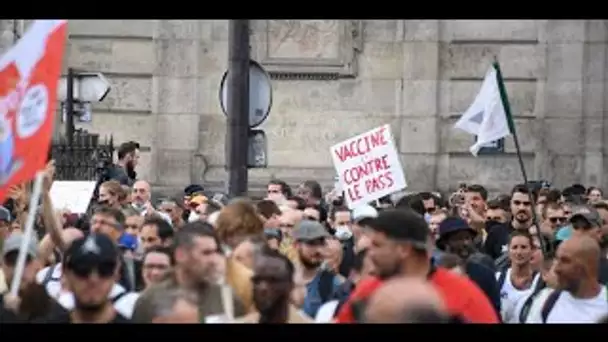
(398, 301)
(141, 201)
(580, 298)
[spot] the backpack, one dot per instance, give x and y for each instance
(119, 296)
(525, 309)
(550, 304)
(48, 277)
(502, 262)
(502, 277)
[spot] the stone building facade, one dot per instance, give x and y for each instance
(334, 79)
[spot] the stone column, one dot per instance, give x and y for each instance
(563, 125)
(594, 90)
(176, 103)
(420, 137)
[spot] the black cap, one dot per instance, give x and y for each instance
(403, 225)
(193, 189)
(91, 250)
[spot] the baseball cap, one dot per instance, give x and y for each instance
(309, 230)
(13, 244)
(95, 251)
(587, 213)
(403, 225)
(192, 189)
(364, 212)
(5, 215)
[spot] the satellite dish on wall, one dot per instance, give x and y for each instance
(260, 94)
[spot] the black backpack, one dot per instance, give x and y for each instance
(525, 309)
(502, 277)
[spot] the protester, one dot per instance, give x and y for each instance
(272, 286)
(128, 158)
(197, 256)
(90, 268)
(399, 247)
(397, 300)
(519, 280)
(173, 306)
(322, 284)
(157, 262)
(580, 298)
(288, 259)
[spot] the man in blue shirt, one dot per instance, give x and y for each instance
(322, 285)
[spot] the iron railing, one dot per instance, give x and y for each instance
(84, 159)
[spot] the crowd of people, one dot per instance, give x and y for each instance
(535, 255)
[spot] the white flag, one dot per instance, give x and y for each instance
(486, 118)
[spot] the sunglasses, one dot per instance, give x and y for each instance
(103, 269)
(557, 219)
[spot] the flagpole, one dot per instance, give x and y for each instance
(511, 122)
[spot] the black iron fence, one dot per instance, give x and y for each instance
(84, 159)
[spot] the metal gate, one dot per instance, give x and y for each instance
(84, 159)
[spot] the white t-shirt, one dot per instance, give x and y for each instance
(510, 296)
(124, 305)
(568, 309)
(326, 312)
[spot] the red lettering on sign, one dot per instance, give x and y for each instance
(353, 193)
(379, 182)
(361, 146)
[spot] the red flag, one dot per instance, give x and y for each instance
(29, 74)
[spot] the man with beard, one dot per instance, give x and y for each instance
(498, 236)
(580, 298)
(90, 269)
(141, 201)
(124, 170)
(456, 237)
(321, 285)
(399, 247)
(197, 258)
(272, 286)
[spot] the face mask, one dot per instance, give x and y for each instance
(427, 217)
(103, 203)
(137, 206)
(343, 233)
(193, 217)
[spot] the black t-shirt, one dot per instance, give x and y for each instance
(62, 315)
(498, 237)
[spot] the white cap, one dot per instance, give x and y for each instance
(364, 211)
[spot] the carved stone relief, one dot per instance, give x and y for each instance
(307, 49)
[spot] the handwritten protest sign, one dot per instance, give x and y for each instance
(72, 195)
(368, 166)
(29, 73)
